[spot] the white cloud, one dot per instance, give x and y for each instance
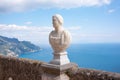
(28, 22)
(33, 34)
(22, 5)
(37, 35)
(111, 10)
(81, 37)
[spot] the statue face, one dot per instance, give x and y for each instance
(55, 22)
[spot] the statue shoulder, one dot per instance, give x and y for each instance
(52, 32)
(66, 32)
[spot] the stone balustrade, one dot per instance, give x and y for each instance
(25, 69)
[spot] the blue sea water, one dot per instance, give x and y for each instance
(95, 56)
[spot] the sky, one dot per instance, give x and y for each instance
(88, 21)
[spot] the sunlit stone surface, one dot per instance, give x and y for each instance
(59, 39)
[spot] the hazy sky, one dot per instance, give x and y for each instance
(89, 21)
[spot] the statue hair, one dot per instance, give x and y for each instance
(59, 18)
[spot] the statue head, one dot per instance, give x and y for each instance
(57, 20)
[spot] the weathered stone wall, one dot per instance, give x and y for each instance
(19, 69)
(90, 74)
(24, 69)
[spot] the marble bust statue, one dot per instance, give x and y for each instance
(59, 39)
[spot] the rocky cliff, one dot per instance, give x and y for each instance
(14, 47)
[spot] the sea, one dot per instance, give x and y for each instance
(102, 56)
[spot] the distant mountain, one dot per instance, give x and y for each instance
(14, 47)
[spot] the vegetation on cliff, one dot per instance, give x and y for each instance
(14, 47)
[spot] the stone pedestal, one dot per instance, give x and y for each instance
(60, 58)
(59, 40)
(56, 72)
